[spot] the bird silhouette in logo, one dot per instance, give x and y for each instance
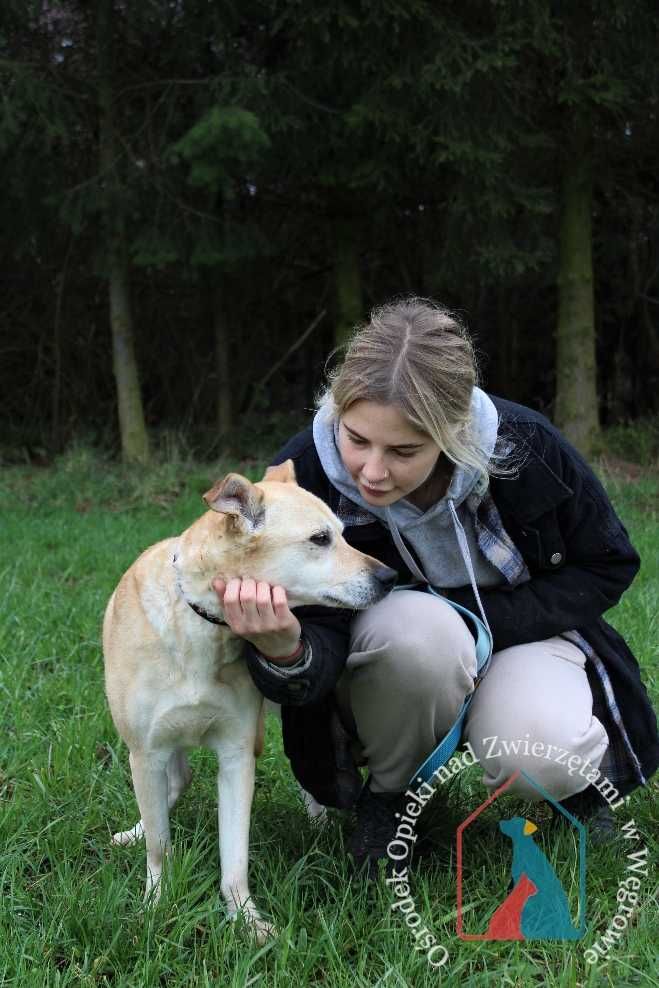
(537, 907)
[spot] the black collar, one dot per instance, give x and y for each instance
(201, 611)
(205, 614)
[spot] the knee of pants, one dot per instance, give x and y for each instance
(416, 643)
(542, 767)
(533, 713)
(558, 765)
(409, 671)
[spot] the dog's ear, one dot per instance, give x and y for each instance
(284, 473)
(241, 500)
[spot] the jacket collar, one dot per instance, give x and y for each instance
(534, 491)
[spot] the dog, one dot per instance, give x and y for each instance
(175, 675)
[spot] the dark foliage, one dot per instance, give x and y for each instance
(278, 159)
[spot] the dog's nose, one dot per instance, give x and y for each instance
(386, 576)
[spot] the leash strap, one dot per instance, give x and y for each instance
(451, 740)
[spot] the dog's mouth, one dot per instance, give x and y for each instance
(354, 598)
(351, 604)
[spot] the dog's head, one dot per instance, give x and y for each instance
(278, 532)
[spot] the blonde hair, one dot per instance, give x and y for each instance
(415, 354)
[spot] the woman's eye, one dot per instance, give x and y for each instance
(363, 442)
(322, 538)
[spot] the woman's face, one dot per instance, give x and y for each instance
(386, 456)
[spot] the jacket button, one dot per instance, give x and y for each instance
(556, 558)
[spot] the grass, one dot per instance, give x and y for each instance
(71, 906)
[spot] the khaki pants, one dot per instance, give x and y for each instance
(412, 662)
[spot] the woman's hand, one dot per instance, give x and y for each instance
(259, 613)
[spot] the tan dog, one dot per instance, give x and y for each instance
(176, 680)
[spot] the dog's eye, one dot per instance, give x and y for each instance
(321, 538)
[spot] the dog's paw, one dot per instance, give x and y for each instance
(254, 925)
(262, 931)
(124, 838)
(150, 899)
(152, 891)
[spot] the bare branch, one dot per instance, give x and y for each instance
(291, 350)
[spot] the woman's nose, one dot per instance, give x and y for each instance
(374, 469)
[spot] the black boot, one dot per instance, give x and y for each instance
(377, 822)
(591, 809)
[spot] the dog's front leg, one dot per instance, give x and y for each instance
(149, 771)
(235, 790)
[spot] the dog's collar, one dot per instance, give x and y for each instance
(206, 615)
(201, 611)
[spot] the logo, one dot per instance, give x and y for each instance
(534, 892)
(517, 878)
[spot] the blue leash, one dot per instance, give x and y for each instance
(451, 740)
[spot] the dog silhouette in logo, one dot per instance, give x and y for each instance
(537, 907)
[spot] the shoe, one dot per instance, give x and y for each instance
(377, 821)
(594, 812)
(602, 827)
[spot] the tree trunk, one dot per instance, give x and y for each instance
(620, 403)
(348, 282)
(134, 439)
(576, 411)
(56, 397)
(224, 407)
(132, 427)
(645, 377)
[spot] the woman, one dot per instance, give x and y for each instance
(485, 501)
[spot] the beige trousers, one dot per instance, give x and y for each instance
(412, 662)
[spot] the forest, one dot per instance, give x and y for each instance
(202, 199)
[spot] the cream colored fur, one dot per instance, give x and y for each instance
(175, 680)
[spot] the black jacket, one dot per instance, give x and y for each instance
(580, 561)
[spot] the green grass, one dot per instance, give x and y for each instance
(71, 907)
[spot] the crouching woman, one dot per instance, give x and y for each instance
(486, 502)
